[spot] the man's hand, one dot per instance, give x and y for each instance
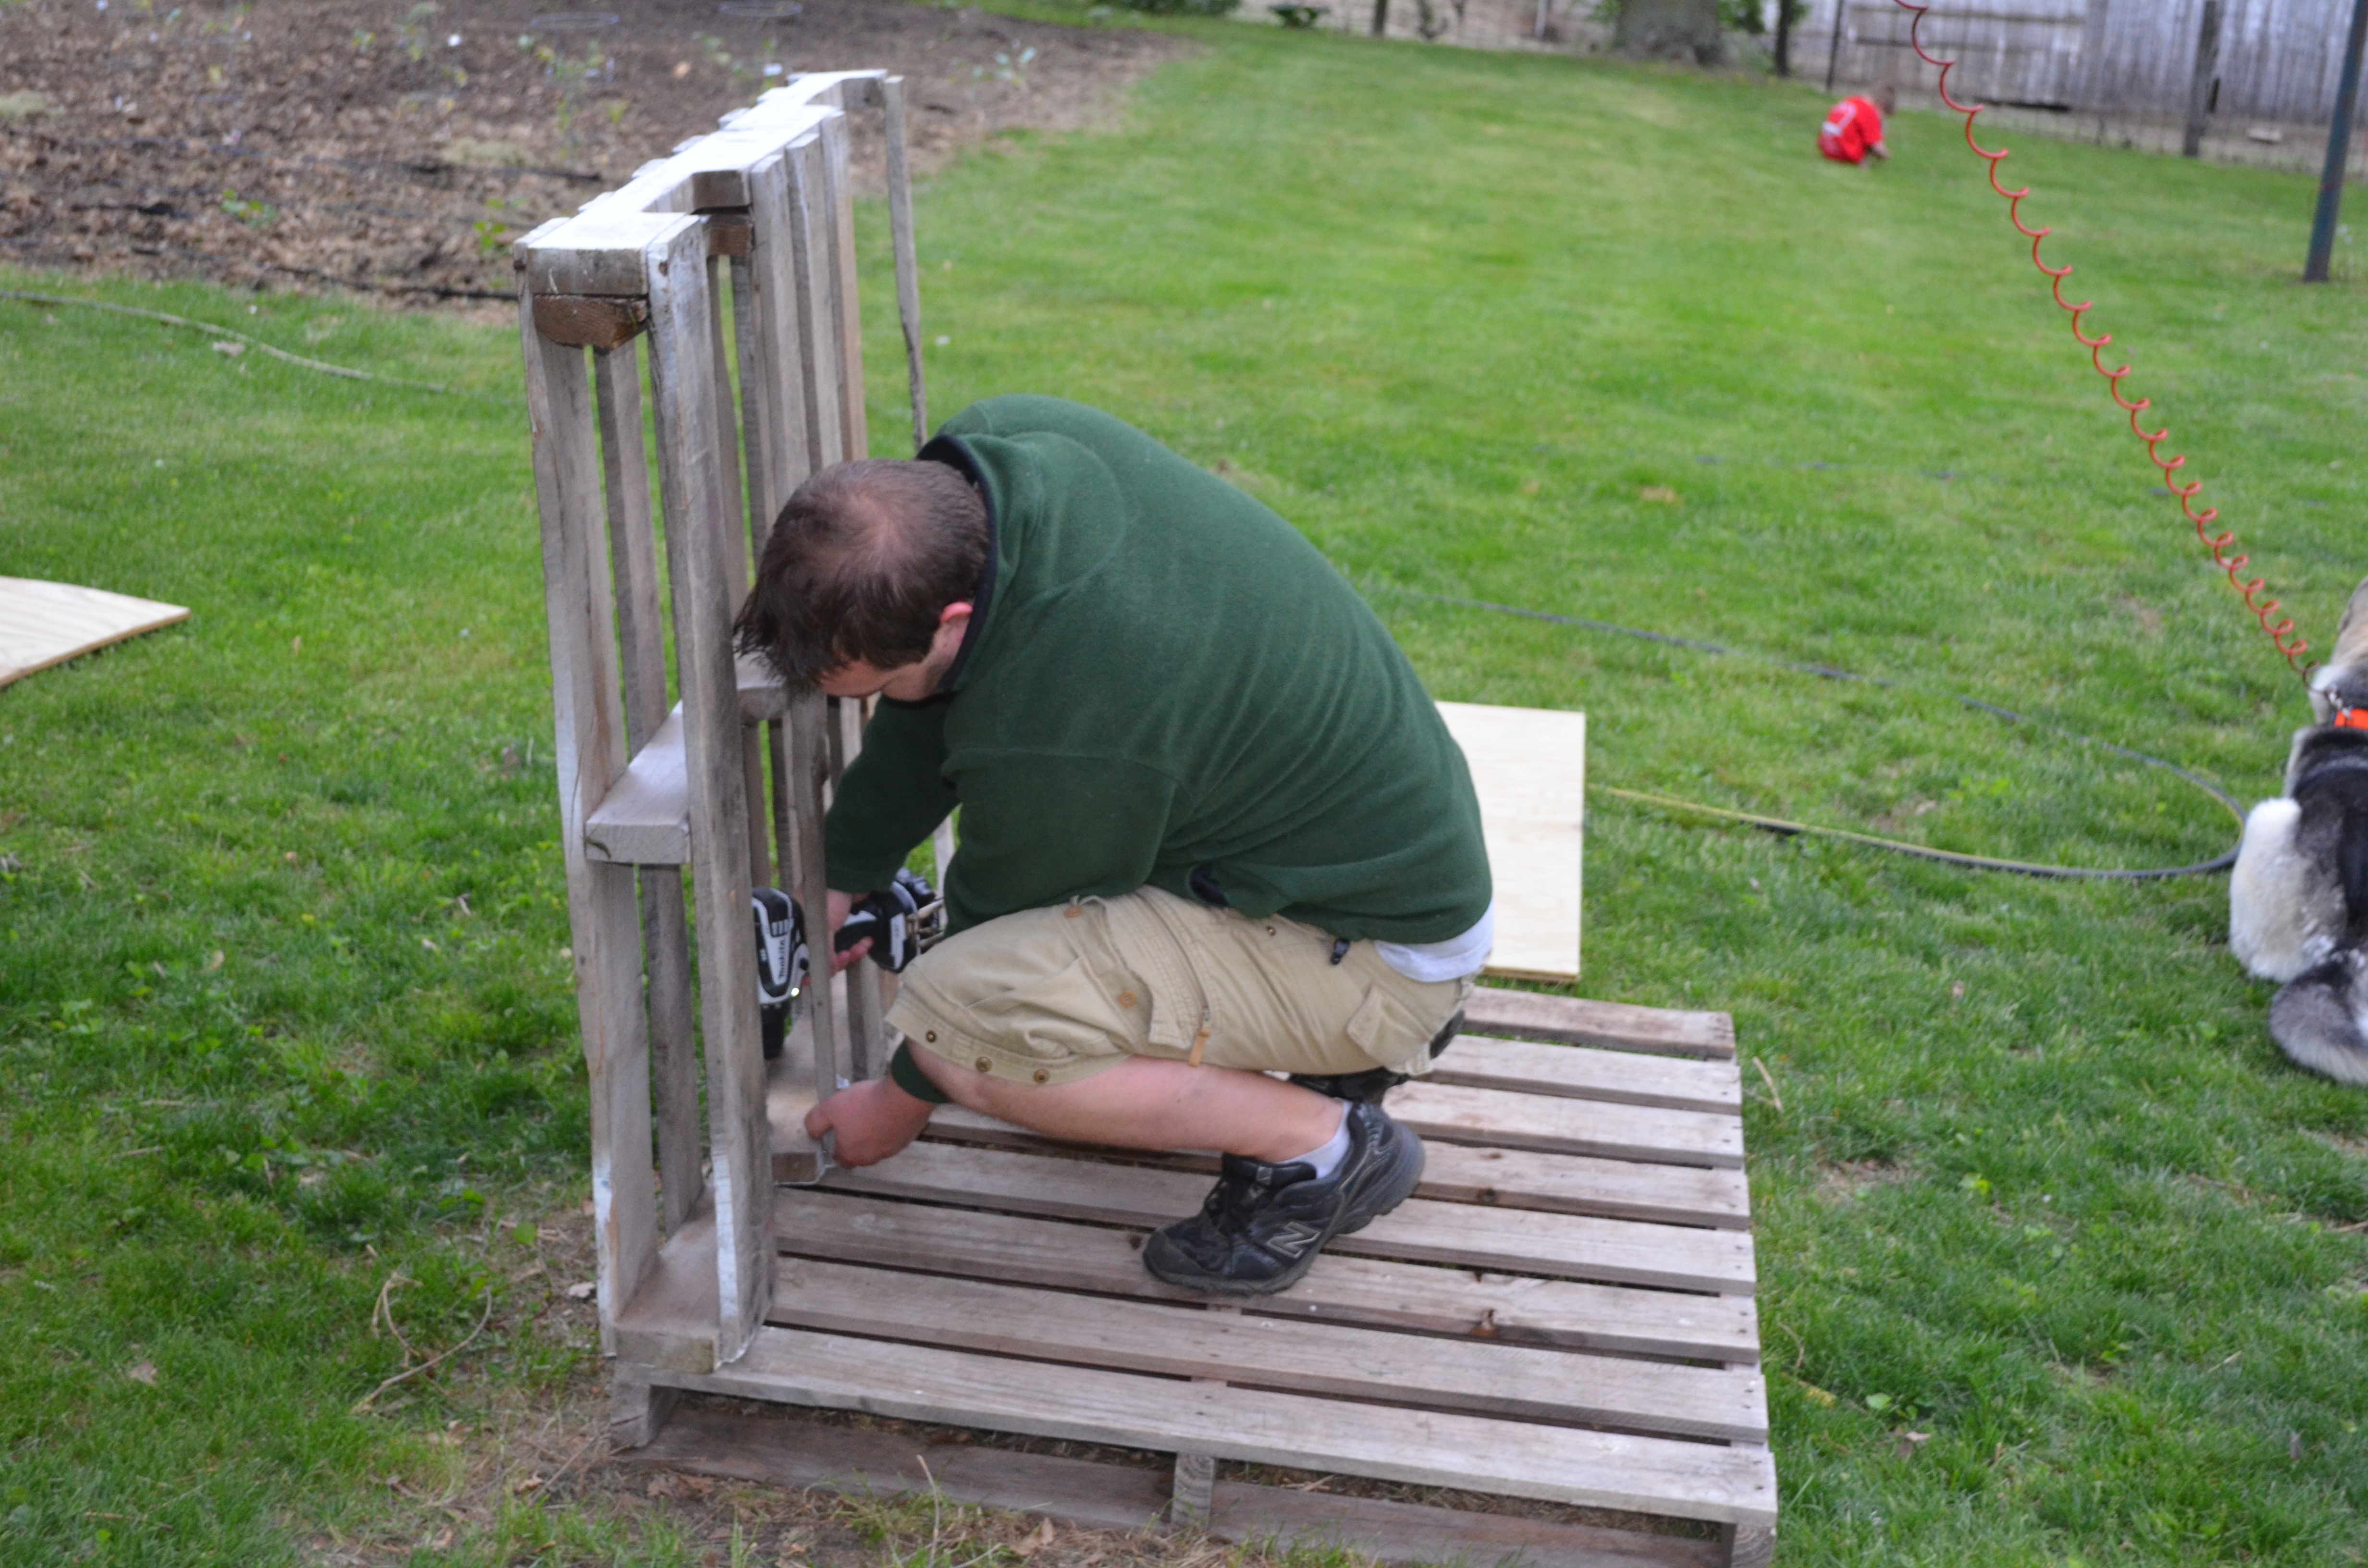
(874, 1120)
(842, 904)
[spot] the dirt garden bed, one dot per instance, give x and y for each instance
(395, 147)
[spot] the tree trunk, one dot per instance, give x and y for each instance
(1674, 29)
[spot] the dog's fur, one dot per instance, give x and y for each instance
(2298, 901)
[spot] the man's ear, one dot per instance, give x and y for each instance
(953, 625)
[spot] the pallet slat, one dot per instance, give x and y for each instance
(788, 1448)
(1619, 1077)
(1529, 1014)
(1421, 1297)
(1550, 1124)
(1565, 1246)
(1452, 1173)
(1420, 1448)
(1471, 1375)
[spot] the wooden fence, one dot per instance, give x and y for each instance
(2127, 58)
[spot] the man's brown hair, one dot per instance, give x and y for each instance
(861, 561)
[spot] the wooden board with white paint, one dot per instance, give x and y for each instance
(1528, 767)
(43, 624)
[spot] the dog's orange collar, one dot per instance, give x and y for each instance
(2351, 719)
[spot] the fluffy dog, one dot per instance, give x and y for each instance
(2298, 901)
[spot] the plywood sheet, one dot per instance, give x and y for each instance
(1528, 765)
(47, 623)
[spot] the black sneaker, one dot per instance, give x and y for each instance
(1262, 1225)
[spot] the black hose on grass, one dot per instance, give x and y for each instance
(1896, 846)
(323, 366)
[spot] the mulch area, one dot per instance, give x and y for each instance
(396, 148)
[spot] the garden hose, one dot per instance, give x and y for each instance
(1896, 846)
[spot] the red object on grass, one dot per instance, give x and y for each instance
(1851, 127)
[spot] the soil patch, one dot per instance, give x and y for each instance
(396, 148)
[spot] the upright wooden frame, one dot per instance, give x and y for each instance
(760, 214)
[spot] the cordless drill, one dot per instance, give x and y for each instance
(900, 921)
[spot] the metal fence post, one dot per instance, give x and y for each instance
(2338, 148)
(2199, 88)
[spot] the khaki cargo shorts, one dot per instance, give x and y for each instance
(1053, 996)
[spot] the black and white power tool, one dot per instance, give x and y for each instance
(901, 921)
(780, 963)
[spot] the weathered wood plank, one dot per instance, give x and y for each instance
(1421, 1448)
(1529, 1014)
(1454, 1172)
(1415, 1532)
(1270, 1351)
(792, 1449)
(590, 321)
(1421, 1298)
(670, 1324)
(1619, 1077)
(640, 636)
(812, 249)
(900, 241)
(1497, 1118)
(1748, 1546)
(866, 1018)
(700, 524)
(645, 819)
(808, 754)
(839, 194)
(589, 724)
(789, 1448)
(1563, 1246)
(601, 250)
(779, 344)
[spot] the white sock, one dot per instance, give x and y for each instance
(1327, 1156)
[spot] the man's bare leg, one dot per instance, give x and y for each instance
(1143, 1102)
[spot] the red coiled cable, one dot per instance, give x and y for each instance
(2280, 633)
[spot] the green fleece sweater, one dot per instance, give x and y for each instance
(1163, 683)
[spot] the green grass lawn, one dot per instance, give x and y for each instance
(2038, 1186)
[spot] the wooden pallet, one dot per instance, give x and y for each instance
(1562, 1312)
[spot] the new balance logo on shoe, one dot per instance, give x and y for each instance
(1295, 1239)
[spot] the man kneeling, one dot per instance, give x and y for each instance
(1212, 829)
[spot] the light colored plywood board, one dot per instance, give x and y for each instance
(42, 624)
(1528, 767)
